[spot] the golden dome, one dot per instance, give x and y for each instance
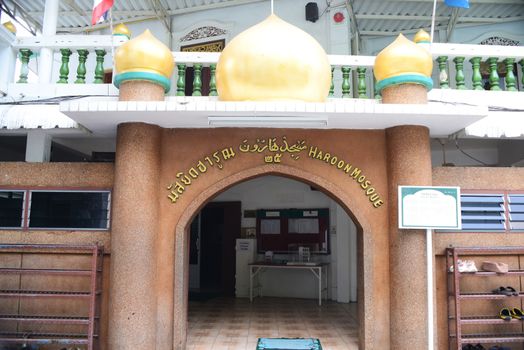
(144, 58)
(403, 61)
(122, 29)
(422, 37)
(10, 27)
(273, 60)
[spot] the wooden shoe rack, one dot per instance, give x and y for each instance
(65, 316)
(458, 335)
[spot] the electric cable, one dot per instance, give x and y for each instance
(470, 156)
(490, 108)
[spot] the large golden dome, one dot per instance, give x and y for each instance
(273, 60)
(402, 62)
(144, 58)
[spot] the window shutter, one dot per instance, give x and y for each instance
(483, 212)
(516, 212)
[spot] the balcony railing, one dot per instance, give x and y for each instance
(456, 66)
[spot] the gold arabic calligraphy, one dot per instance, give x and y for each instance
(271, 145)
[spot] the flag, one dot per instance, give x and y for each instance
(457, 3)
(100, 9)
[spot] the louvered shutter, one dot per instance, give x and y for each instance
(516, 211)
(483, 212)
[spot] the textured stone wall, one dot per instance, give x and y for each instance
(53, 176)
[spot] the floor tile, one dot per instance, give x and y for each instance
(236, 324)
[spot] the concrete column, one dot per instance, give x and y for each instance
(409, 163)
(45, 68)
(38, 146)
(132, 298)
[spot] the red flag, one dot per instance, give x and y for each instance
(100, 9)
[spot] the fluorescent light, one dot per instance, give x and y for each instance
(268, 122)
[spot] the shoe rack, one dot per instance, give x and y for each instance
(69, 304)
(459, 335)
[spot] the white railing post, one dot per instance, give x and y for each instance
(45, 68)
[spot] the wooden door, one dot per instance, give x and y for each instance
(220, 228)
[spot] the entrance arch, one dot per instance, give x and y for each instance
(366, 261)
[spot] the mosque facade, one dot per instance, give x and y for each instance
(164, 175)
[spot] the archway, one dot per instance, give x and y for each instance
(364, 242)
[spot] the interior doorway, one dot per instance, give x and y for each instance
(219, 309)
(212, 250)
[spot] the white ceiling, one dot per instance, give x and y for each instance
(373, 17)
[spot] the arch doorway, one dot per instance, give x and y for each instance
(297, 223)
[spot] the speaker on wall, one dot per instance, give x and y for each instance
(311, 11)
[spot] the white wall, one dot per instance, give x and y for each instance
(273, 192)
(245, 16)
(481, 149)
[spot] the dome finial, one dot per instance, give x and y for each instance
(122, 30)
(10, 27)
(422, 37)
(403, 62)
(144, 58)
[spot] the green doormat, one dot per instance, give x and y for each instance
(288, 344)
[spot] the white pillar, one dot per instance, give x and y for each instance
(45, 67)
(8, 59)
(38, 146)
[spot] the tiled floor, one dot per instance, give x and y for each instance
(234, 324)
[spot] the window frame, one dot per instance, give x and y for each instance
(24, 209)
(27, 207)
(507, 222)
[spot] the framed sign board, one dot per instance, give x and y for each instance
(429, 207)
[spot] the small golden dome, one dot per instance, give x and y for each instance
(144, 58)
(273, 60)
(403, 61)
(122, 29)
(10, 27)
(422, 37)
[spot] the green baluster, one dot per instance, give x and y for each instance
(521, 62)
(459, 74)
(213, 81)
(476, 78)
(25, 55)
(197, 80)
(361, 72)
(493, 74)
(99, 69)
(181, 82)
(510, 77)
(332, 86)
(81, 70)
(64, 68)
(443, 73)
(345, 82)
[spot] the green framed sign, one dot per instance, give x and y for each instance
(429, 207)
